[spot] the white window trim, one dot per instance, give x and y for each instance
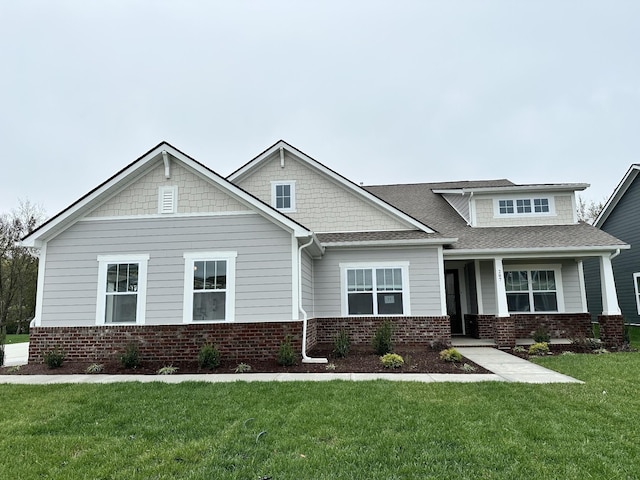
(103, 262)
(636, 276)
(292, 185)
(164, 190)
(344, 294)
(557, 269)
(496, 206)
(230, 306)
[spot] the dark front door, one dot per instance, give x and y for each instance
(452, 291)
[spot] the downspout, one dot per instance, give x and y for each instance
(615, 254)
(305, 358)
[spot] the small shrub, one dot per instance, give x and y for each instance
(209, 357)
(540, 348)
(95, 368)
(243, 368)
(131, 356)
(286, 356)
(586, 344)
(450, 355)
(567, 353)
(519, 349)
(382, 338)
(466, 368)
(341, 344)
(541, 334)
(53, 358)
(14, 369)
(330, 367)
(439, 344)
(167, 370)
(600, 351)
(391, 360)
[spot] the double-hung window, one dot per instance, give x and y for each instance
(375, 290)
(636, 286)
(283, 195)
(122, 286)
(209, 287)
(531, 290)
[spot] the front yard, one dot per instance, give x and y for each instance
(334, 430)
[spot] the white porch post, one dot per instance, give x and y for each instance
(607, 284)
(501, 292)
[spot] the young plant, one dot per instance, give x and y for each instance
(131, 356)
(541, 334)
(540, 348)
(286, 356)
(53, 358)
(519, 349)
(95, 368)
(209, 357)
(391, 360)
(167, 370)
(466, 368)
(243, 368)
(341, 344)
(450, 355)
(382, 338)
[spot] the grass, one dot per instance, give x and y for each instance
(333, 430)
(17, 338)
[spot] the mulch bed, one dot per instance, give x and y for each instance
(417, 360)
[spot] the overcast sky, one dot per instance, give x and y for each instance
(382, 92)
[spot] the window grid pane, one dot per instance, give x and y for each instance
(505, 206)
(121, 293)
(531, 290)
(283, 196)
(386, 290)
(541, 205)
(523, 205)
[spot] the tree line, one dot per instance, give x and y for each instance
(18, 267)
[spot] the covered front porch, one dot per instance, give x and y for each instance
(504, 299)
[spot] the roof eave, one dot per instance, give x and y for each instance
(485, 253)
(387, 243)
(617, 194)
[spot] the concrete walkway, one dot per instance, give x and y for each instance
(505, 368)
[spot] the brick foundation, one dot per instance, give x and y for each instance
(504, 332)
(406, 330)
(480, 326)
(239, 341)
(611, 330)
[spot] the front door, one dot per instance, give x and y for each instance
(452, 292)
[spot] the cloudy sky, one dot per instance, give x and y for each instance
(383, 92)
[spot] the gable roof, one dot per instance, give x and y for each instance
(364, 194)
(617, 194)
(421, 201)
(135, 170)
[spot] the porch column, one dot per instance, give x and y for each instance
(502, 309)
(608, 285)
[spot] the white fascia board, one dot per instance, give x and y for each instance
(554, 187)
(242, 172)
(389, 243)
(617, 194)
(467, 254)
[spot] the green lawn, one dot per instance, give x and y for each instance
(334, 430)
(17, 338)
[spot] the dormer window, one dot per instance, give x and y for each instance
(283, 195)
(523, 206)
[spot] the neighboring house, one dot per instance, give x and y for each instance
(169, 254)
(621, 217)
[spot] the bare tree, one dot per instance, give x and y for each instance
(588, 211)
(18, 265)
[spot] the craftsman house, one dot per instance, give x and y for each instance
(620, 217)
(170, 255)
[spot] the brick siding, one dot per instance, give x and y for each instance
(611, 330)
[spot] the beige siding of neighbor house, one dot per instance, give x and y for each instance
(195, 195)
(263, 268)
(322, 205)
(486, 216)
(424, 278)
(570, 287)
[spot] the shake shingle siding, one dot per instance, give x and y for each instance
(262, 291)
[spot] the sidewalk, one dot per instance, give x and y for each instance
(505, 368)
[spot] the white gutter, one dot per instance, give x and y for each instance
(305, 358)
(614, 255)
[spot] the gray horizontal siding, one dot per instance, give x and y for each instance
(424, 279)
(307, 285)
(263, 265)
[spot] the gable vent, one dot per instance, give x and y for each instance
(167, 200)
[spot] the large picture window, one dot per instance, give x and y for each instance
(375, 290)
(209, 287)
(636, 286)
(531, 290)
(121, 289)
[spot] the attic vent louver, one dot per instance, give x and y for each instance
(167, 200)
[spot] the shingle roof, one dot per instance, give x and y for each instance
(395, 235)
(419, 201)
